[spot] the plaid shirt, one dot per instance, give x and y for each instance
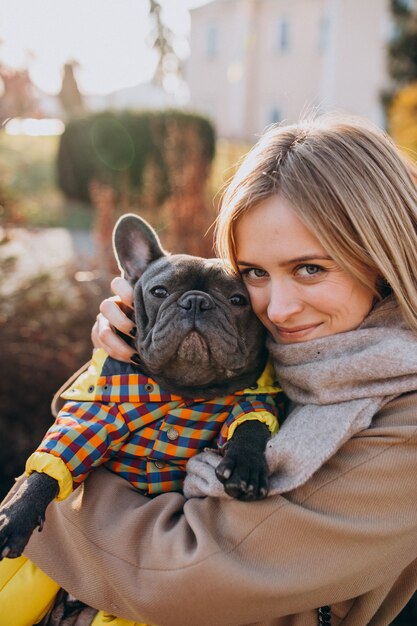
(139, 430)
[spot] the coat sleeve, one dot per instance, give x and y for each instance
(349, 530)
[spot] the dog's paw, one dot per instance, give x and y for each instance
(15, 533)
(244, 478)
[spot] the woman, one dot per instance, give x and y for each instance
(320, 221)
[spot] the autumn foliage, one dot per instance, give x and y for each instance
(403, 119)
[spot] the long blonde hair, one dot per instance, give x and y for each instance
(350, 185)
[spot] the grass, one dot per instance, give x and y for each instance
(27, 166)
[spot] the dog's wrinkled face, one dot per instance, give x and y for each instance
(197, 333)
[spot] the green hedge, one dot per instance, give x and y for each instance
(114, 148)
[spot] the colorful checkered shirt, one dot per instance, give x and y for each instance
(142, 432)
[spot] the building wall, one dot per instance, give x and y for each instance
(288, 75)
(254, 62)
(357, 56)
(217, 70)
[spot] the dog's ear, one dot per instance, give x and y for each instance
(136, 245)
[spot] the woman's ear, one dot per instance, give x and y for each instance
(135, 245)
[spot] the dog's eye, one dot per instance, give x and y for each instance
(238, 300)
(159, 292)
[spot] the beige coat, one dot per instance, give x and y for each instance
(347, 538)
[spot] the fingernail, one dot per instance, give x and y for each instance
(133, 332)
(135, 358)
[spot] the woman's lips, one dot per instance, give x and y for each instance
(297, 332)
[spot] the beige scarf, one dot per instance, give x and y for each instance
(336, 384)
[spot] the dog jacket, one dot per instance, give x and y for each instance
(118, 416)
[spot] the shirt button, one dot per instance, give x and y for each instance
(172, 434)
(160, 464)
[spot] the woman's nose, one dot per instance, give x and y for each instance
(284, 304)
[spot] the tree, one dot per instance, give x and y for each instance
(401, 99)
(18, 98)
(403, 118)
(162, 40)
(70, 96)
(402, 49)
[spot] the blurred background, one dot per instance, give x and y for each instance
(108, 106)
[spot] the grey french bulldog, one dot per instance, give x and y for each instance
(197, 337)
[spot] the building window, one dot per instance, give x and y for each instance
(212, 41)
(282, 35)
(407, 4)
(274, 116)
(324, 33)
(394, 31)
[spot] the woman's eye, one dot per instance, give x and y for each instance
(253, 273)
(159, 292)
(238, 300)
(309, 270)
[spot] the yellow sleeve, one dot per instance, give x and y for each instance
(267, 418)
(26, 593)
(44, 462)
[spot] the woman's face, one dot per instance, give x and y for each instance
(296, 289)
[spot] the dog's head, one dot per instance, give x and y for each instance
(197, 333)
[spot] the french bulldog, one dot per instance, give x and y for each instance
(197, 337)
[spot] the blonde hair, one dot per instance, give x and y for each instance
(351, 187)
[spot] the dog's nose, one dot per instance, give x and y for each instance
(196, 301)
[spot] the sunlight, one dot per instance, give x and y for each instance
(34, 127)
(43, 36)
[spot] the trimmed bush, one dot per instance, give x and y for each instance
(116, 148)
(155, 163)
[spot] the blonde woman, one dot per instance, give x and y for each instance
(321, 223)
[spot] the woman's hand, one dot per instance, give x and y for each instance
(115, 313)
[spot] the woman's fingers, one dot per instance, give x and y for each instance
(121, 288)
(104, 336)
(115, 313)
(120, 319)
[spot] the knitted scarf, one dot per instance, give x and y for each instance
(336, 385)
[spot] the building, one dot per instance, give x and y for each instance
(255, 62)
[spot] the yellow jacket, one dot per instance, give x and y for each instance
(20, 578)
